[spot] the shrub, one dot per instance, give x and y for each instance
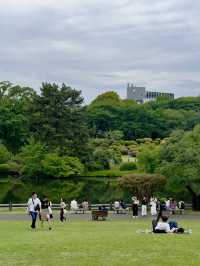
(94, 166)
(9, 168)
(128, 166)
(142, 184)
(5, 155)
(124, 150)
(61, 167)
(4, 168)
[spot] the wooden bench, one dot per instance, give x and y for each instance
(121, 211)
(98, 213)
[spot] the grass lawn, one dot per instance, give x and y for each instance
(97, 243)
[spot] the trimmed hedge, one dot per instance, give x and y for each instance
(128, 166)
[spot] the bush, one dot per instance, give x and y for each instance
(61, 167)
(4, 168)
(94, 166)
(128, 166)
(9, 168)
(5, 155)
(142, 184)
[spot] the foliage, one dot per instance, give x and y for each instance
(57, 166)
(103, 156)
(58, 120)
(107, 98)
(128, 166)
(148, 158)
(142, 184)
(4, 168)
(180, 160)
(14, 122)
(151, 120)
(30, 158)
(5, 155)
(114, 135)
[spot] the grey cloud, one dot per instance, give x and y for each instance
(102, 45)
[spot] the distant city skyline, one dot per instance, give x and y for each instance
(101, 45)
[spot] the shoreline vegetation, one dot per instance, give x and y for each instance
(52, 143)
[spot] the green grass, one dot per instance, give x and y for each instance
(84, 243)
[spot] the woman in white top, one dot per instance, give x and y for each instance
(153, 203)
(163, 226)
(74, 205)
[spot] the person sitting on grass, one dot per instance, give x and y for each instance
(165, 227)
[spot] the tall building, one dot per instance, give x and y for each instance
(141, 95)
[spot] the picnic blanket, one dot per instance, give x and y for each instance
(149, 231)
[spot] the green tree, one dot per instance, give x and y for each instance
(142, 184)
(59, 121)
(180, 161)
(107, 98)
(14, 120)
(148, 158)
(31, 158)
(61, 167)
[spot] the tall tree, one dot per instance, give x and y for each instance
(58, 119)
(14, 104)
(180, 162)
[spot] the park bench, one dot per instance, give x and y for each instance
(99, 213)
(121, 210)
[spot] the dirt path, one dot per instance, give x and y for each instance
(87, 217)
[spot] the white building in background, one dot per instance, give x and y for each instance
(141, 95)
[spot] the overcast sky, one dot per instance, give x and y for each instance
(101, 45)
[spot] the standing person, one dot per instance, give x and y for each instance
(117, 206)
(50, 211)
(122, 204)
(62, 210)
(153, 203)
(173, 206)
(45, 215)
(34, 206)
(144, 206)
(135, 205)
(74, 205)
(167, 202)
(85, 206)
(181, 206)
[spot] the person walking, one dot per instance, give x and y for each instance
(144, 206)
(62, 210)
(135, 205)
(34, 206)
(44, 213)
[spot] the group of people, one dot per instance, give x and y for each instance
(155, 205)
(161, 209)
(119, 205)
(41, 208)
(74, 207)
